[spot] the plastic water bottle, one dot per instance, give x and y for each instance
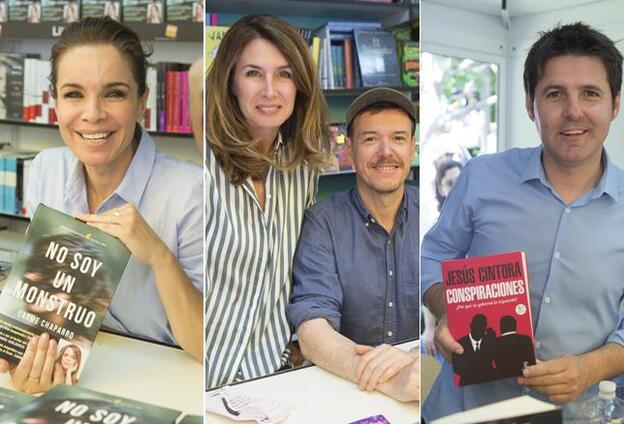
(604, 408)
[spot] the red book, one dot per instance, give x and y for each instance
(170, 86)
(348, 62)
(489, 314)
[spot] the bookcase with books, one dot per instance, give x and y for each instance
(356, 45)
(27, 118)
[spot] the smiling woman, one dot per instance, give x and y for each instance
(111, 176)
(266, 142)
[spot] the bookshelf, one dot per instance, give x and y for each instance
(314, 14)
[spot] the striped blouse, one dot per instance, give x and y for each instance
(248, 278)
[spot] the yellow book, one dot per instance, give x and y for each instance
(316, 49)
(213, 37)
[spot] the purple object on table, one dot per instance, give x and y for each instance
(375, 419)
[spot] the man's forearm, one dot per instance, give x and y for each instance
(328, 349)
(434, 300)
(605, 362)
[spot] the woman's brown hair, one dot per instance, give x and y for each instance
(102, 30)
(304, 132)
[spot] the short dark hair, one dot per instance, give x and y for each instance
(507, 324)
(102, 31)
(577, 39)
(375, 108)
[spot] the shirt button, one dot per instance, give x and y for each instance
(390, 333)
(390, 304)
(567, 210)
(547, 300)
(373, 220)
(390, 273)
(557, 255)
(389, 242)
(366, 224)
(537, 344)
(525, 389)
(269, 195)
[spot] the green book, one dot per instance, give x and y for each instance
(11, 400)
(75, 405)
(61, 283)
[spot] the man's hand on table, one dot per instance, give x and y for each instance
(405, 386)
(562, 379)
(379, 364)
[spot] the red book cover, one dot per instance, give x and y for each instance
(348, 62)
(489, 314)
(170, 85)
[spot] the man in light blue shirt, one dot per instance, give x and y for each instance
(563, 204)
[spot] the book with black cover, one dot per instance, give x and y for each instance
(489, 313)
(11, 400)
(518, 410)
(75, 405)
(61, 283)
(377, 58)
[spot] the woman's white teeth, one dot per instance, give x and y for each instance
(573, 132)
(95, 136)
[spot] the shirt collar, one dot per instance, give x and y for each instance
(134, 181)
(607, 184)
(367, 217)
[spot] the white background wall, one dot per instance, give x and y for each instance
(461, 33)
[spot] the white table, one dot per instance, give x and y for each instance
(320, 397)
(143, 371)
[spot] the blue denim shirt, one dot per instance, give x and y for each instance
(349, 270)
(575, 258)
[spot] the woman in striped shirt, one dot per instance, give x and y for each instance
(267, 141)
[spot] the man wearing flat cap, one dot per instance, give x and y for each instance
(356, 288)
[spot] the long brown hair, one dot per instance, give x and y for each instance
(77, 357)
(304, 131)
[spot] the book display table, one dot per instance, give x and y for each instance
(318, 396)
(143, 371)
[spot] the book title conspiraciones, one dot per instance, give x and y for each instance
(506, 280)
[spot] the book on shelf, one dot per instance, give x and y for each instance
(212, 40)
(333, 51)
(97, 8)
(12, 84)
(76, 405)
(377, 57)
(61, 284)
(184, 10)
(149, 11)
(340, 160)
(518, 410)
(14, 174)
(65, 11)
(11, 400)
(489, 314)
(410, 63)
(25, 11)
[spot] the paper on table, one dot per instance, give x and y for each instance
(235, 405)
